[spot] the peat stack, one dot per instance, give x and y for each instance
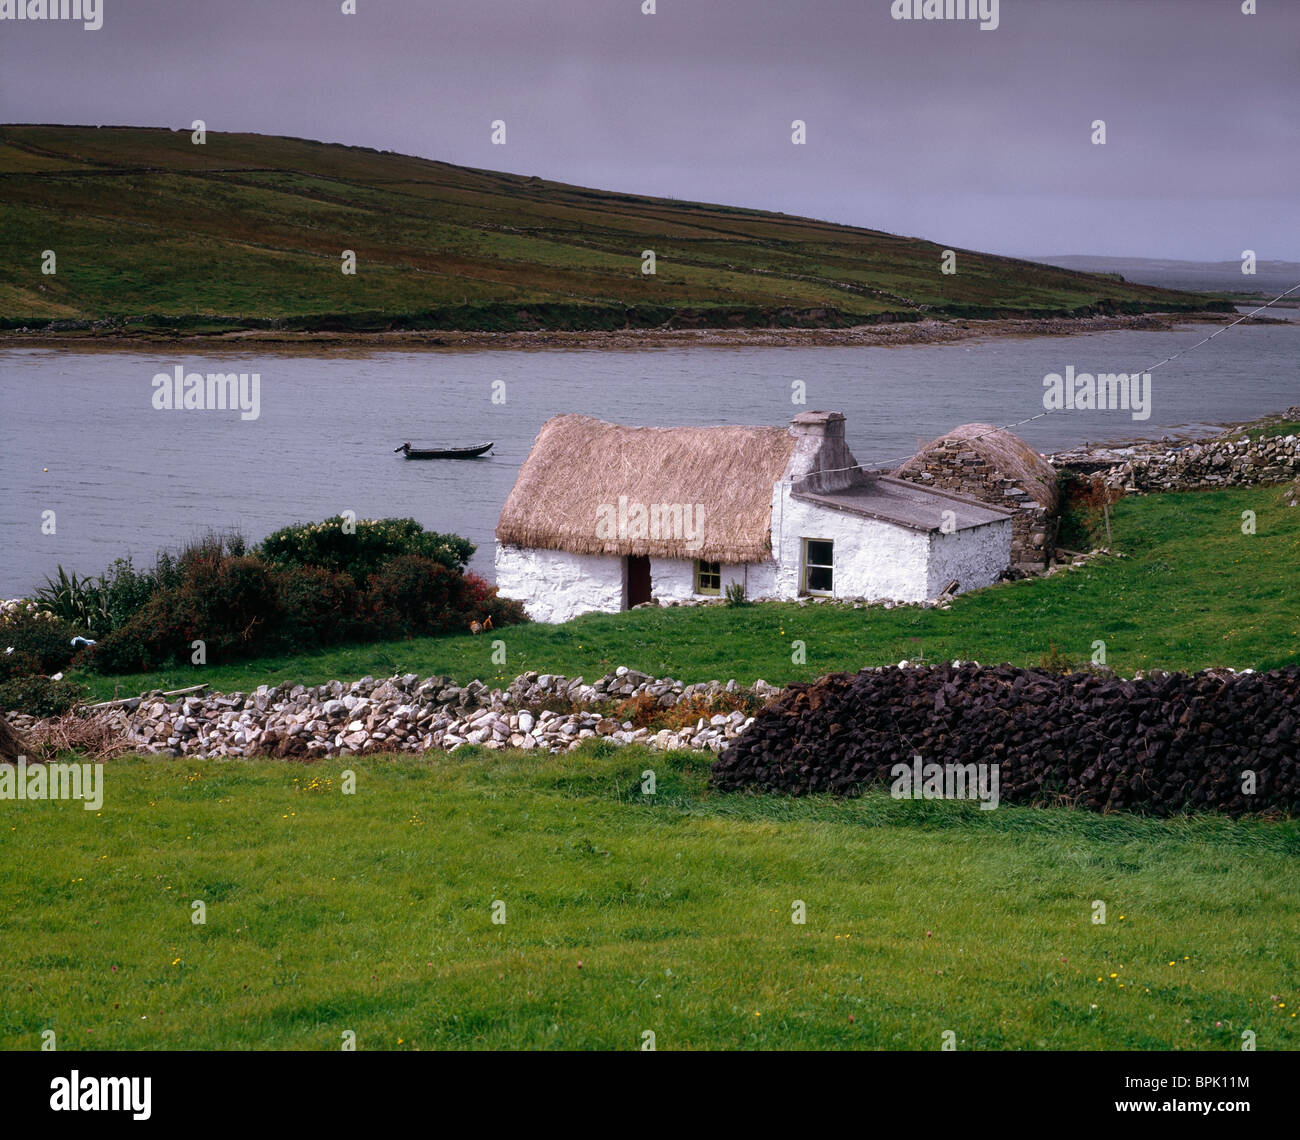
(1167, 743)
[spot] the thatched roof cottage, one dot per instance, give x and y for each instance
(605, 517)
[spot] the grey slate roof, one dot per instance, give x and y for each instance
(906, 504)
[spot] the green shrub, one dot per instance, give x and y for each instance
(243, 606)
(40, 696)
(1062, 664)
(413, 595)
(78, 601)
(207, 550)
(482, 602)
(127, 650)
(370, 545)
(736, 595)
(1084, 500)
(318, 607)
(100, 605)
(231, 605)
(125, 591)
(34, 641)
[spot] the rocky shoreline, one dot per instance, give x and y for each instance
(926, 331)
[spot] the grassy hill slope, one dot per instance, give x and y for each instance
(248, 231)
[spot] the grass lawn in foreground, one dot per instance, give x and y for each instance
(625, 913)
(1192, 591)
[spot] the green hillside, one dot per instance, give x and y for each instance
(248, 231)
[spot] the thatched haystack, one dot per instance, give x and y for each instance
(994, 465)
(728, 471)
(1004, 452)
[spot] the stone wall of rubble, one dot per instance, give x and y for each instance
(1196, 466)
(407, 714)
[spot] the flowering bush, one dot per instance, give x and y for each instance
(412, 595)
(482, 601)
(21, 609)
(364, 548)
(33, 640)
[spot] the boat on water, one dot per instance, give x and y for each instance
(442, 452)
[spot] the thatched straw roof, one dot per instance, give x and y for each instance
(569, 490)
(1005, 452)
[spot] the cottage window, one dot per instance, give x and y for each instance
(708, 577)
(818, 566)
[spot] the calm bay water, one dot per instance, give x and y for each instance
(79, 435)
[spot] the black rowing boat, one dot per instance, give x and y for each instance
(442, 452)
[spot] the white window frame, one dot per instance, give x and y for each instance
(804, 566)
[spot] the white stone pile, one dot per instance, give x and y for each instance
(407, 714)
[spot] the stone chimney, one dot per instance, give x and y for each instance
(821, 461)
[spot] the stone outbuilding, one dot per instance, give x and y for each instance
(604, 517)
(994, 466)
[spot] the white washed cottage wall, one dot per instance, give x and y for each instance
(890, 538)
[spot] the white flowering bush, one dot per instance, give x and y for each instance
(33, 641)
(14, 610)
(362, 548)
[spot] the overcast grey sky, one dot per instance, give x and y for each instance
(977, 139)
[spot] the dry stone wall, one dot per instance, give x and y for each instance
(1196, 466)
(407, 714)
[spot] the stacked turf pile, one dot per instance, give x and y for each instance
(1166, 743)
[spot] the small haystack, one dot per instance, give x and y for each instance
(995, 466)
(1002, 451)
(580, 466)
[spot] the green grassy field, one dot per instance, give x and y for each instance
(248, 230)
(1192, 591)
(624, 913)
